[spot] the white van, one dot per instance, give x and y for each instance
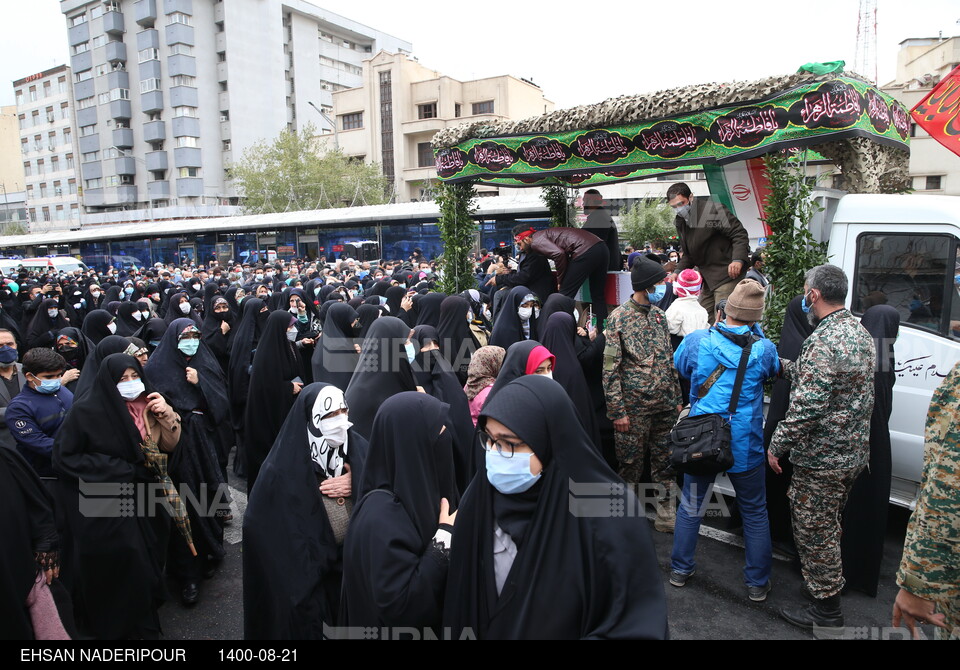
(9, 266)
(66, 264)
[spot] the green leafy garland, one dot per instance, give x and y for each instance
(791, 249)
(458, 232)
(562, 212)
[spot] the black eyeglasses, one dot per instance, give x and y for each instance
(503, 447)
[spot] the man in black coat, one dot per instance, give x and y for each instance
(713, 240)
(534, 273)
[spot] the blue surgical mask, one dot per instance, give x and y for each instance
(8, 355)
(128, 290)
(658, 294)
(510, 475)
(189, 347)
(48, 386)
(804, 305)
(154, 343)
(411, 351)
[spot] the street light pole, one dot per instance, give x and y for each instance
(333, 124)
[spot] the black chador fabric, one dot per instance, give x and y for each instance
(382, 371)
(507, 328)
(478, 302)
(114, 294)
(368, 314)
(334, 356)
(174, 311)
(429, 314)
(77, 358)
(111, 344)
(210, 291)
(152, 331)
(127, 325)
(391, 575)
(290, 556)
(275, 366)
(559, 335)
(27, 525)
(202, 407)
(556, 303)
(245, 342)
(213, 336)
(93, 302)
(865, 517)
(74, 306)
(457, 343)
(575, 575)
(379, 289)
(796, 329)
(119, 557)
(8, 322)
(514, 366)
(44, 328)
(231, 296)
(394, 296)
(436, 377)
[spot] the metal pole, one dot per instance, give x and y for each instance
(333, 124)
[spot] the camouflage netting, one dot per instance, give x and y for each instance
(867, 167)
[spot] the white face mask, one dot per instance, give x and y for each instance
(328, 437)
(131, 390)
(137, 316)
(95, 294)
(185, 307)
(52, 313)
(525, 313)
(145, 314)
(292, 334)
(335, 429)
(487, 313)
(112, 327)
(548, 375)
(576, 316)
(470, 315)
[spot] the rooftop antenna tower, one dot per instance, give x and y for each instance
(866, 59)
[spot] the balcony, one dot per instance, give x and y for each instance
(116, 51)
(78, 34)
(221, 42)
(81, 62)
(118, 78)
(154, 131)
(83, 89)
(225, 130)
(185, 126)
(126, 194)
(186, 157)
(424, 126)
(224, 100)
(184, 96)
(122, 137)
(145, 12)
(222, 71)
(156, 160)
(189, 187)
(151, 102)
(147, 39)
(182, 64)
(125, 165)
(177, 33)
(92, 170)
(89, 143)
(87, 117)
(121, 110)
(218, 13)
(150, 69)
(93, 197)
(113, 23)
(158, 190)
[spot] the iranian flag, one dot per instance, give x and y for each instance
(939, 112)
(742, 187)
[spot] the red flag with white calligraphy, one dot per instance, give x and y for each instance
(939, 112)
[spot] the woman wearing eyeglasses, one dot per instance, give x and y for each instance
(550, 544)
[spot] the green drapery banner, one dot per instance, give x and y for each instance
(804, 116)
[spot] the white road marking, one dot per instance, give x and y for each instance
(233, 531)
(726, 538)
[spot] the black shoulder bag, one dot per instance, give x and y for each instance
(700, 445)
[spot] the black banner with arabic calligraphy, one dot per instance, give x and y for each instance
(801, 117)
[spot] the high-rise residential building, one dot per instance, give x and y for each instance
(47, 149)
(170, 92)
(392, 117)
(11, 165)
(921, 64)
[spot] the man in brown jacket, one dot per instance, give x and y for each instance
(713, 241)
(579, 256)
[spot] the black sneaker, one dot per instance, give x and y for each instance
(758, 593)
(679, 579)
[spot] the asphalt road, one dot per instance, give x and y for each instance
(713, 605)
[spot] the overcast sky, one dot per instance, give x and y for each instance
(576, 56)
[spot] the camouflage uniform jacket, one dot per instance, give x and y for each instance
(930, 567)
(828, 424)
(638, 370)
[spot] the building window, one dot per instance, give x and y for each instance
(226, 145)
(83, 47)
(425, 155)
(19, 98)
(148, 85)
(96, 12)
(72, 187)
(154, 116)
(485, 107)
(86, 131)
(46, 213)
(35, 115)
(457, 110)
(67, 137)
(183, 80)
(427, 111)
(86, 102)
(93, 183)
(46, 89)
(351, 121)
(221, 56)
(111, 6)
(192, 142)
(61, 215)
(90, 156)
(43, 189)
(28, 169)
(111, 152)
(64, 110)
(62, 84)
(181, 50)
(179, 17)
(33, 94)
(78, 19)
(934, 183)
(69, 161)
(82, 76)
(189, 172)
(54, 164)
(185, 111)
(99, 41)
(115, 94)
(224, 114)
(148, 54)
(41, 167)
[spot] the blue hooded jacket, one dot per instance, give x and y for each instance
(699, 355)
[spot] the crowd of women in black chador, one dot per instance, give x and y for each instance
(391, 483)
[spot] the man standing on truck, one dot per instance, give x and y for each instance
(827, 434)
(713, 241)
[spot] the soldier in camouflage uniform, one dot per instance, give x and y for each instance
(929, 575)
(641, 386)
(827, 433)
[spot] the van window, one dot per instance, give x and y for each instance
(912, 273)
